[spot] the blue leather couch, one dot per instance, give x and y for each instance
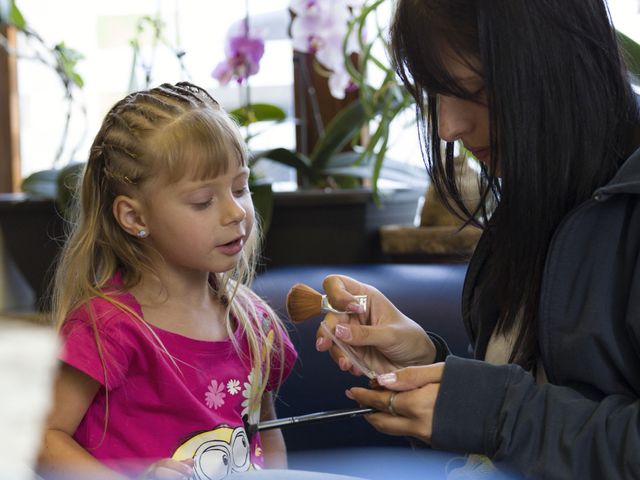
(430, 294)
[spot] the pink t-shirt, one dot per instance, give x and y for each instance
(156, 410)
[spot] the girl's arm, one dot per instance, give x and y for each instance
(60, 454)
(275, 451)
(62, 457)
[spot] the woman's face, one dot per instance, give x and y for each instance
(465, 120)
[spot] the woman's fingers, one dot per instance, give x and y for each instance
(401, 413)
(341, 291)
(356, 334)
(411, 378)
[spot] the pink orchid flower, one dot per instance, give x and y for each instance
(320, 27)
(243, 59)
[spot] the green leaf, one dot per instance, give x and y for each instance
(15, 17)
(340, 130)
(262, 196)
(258, 112)
(292, 159)
(631, 53)
(67, 59)
(42, 183)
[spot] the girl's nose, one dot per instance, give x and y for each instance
(233, 212)
(453, 123)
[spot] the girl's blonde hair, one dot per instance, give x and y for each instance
(167, 132)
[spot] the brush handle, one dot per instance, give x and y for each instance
(325, 306)
(349, 352)
(313, 417)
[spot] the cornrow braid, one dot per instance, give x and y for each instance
(134, 119)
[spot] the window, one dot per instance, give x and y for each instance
(102, 32)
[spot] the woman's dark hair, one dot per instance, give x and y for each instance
(562, 115)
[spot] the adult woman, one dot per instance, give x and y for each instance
(538, 92)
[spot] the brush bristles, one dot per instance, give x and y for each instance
(303, 302)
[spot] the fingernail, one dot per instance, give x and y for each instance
(355, 308)
(343, 332)
(319, 342)
(387, 378)
(348, 394)
(342, 363)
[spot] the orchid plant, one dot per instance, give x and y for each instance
(336, 32)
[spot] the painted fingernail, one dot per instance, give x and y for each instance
(319, 343)
(348, 394)
(343, 364)
(355, 308)
(387, 378)
(343, 332)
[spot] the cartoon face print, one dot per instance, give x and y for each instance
(217, 453)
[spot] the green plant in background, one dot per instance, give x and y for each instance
(149, 30)
(381, 100)
(631, 53)
(62, 59)
(365, 122)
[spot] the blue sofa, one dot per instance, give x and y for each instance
(430, 294)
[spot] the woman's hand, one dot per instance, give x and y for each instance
(382, 337)
(168, 469)
(407, 406)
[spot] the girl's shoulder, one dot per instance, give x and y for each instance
(111, 309)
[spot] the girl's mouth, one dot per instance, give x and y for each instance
(232, 248)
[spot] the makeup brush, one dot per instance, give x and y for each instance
(304, 302)
(251, 429)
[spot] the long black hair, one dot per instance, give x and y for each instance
(562, 118)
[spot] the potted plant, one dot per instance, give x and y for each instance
(30, 222)
(339, 178)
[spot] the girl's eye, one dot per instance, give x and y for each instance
(203, 205)
(241, 191)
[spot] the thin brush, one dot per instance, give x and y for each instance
(251, 429)
(304, 302)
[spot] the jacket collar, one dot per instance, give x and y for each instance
(626, 180)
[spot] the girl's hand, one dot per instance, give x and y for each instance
(382, 337)
(168, 469)
(407, 407)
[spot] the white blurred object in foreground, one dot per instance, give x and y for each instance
(27, 361)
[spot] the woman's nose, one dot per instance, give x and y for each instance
(453, 123)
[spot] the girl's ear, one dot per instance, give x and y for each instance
(128, 213)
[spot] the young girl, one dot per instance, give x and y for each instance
(165, 347)
(537, 90)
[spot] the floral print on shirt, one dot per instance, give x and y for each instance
(233, 386)
(214, 397)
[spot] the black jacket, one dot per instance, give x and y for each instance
(585, 423)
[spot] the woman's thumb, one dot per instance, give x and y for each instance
(362, 335)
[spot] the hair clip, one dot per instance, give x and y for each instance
(119, 178)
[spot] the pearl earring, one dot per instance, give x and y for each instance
(142, 234)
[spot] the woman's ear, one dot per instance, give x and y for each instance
(128, 212)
